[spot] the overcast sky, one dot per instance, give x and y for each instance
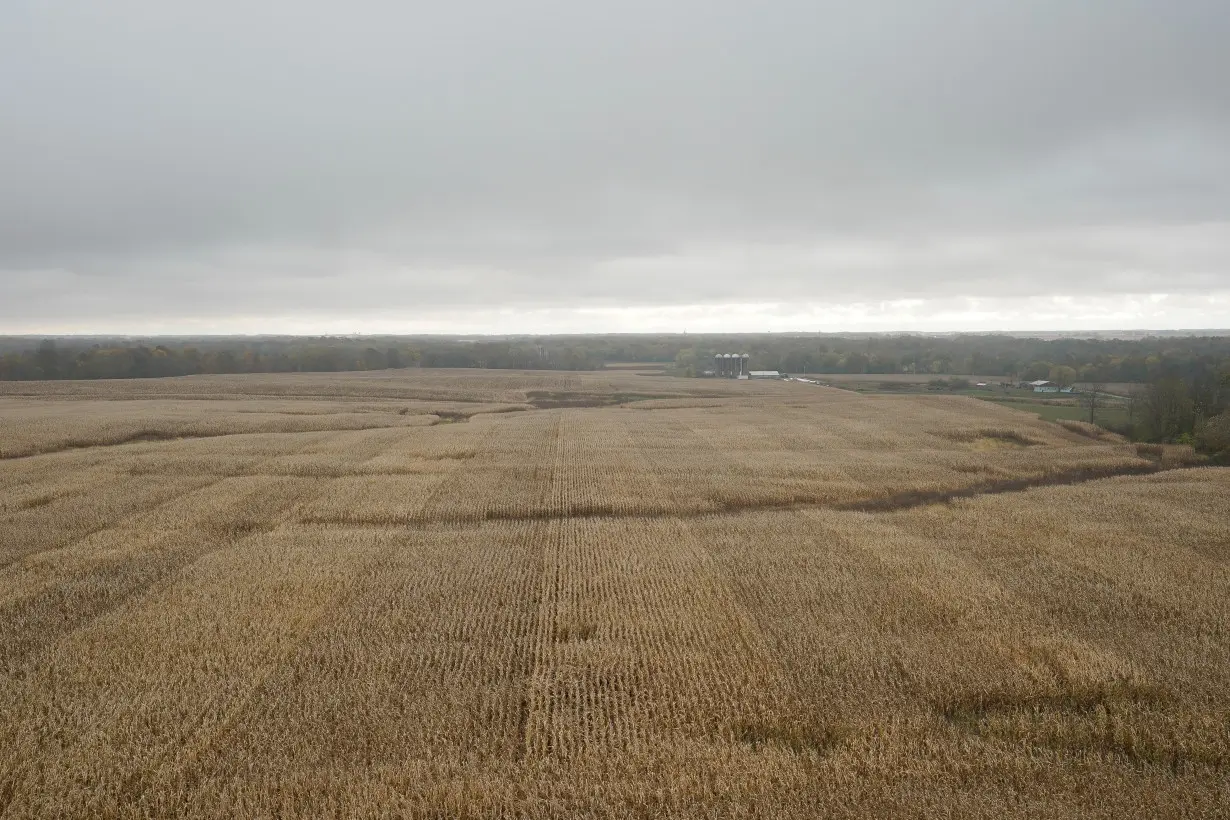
(501, 166)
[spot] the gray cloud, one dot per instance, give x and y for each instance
(277, 159)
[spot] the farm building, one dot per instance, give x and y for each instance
(764, 374)
(731, 365)
(1043, 386)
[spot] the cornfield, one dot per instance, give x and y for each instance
(465, 594)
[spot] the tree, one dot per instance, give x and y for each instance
(1037, 370)
(1091, 398)
(48, 359)
(1063, 375)
(373, 359)
(1214, 435)
(981, 363)
(685, 361)
(855, 363)
(1166, 410)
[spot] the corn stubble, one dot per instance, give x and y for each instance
(444, 595)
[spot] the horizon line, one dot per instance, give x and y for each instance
(1192, 331)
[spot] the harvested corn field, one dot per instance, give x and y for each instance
(473, 594)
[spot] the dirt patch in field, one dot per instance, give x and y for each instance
(83, 444)
(796, 739)
(919, 498)
(37, 501)
(582, 631)
(969, 711)
(1087, 720)
(720, 507)
(991, 439)
(450, 417)
(549, 400)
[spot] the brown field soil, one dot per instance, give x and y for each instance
(502, 594)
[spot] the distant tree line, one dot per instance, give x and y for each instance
(1187, 377)
(69, 358)
(1066, 360)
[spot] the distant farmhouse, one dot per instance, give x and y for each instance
(1043, 386)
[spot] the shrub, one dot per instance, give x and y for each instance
(1214, 435)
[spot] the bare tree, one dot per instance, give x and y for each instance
(1091, 398)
